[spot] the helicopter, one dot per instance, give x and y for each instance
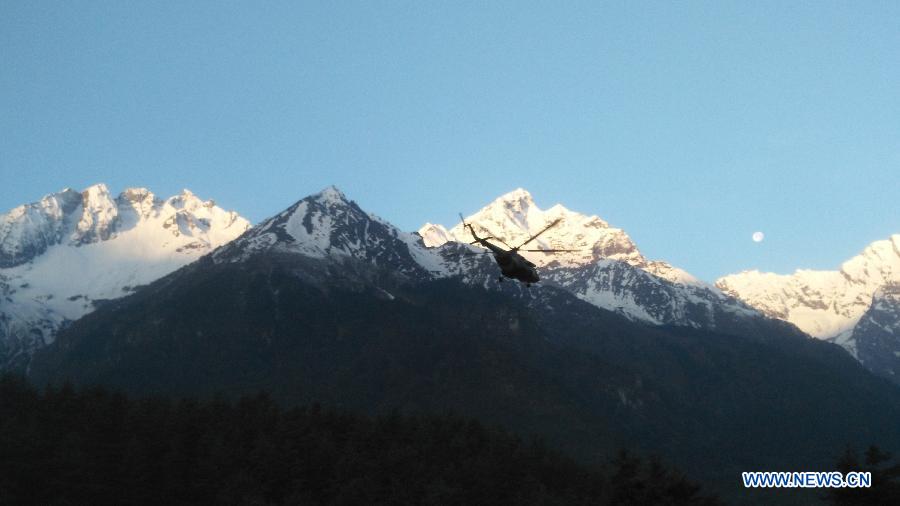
(512, 264)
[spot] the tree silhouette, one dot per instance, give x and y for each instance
(885, 487)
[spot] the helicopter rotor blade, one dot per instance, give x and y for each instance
(553, 250)
(494, 237)
(535, 236)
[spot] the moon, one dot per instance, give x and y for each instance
(758, 236)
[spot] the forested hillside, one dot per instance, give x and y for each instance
(66, 446)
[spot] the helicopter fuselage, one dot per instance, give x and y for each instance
(512, 264)
(515, 266)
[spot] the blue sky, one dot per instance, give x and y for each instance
(688, 124)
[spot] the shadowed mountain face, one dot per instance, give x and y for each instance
(877, 334)
(327, 303)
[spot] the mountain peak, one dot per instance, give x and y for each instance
(515, 217)
(558, 209)
(330, 193)
(519, 194)
(96, 198)
(519, 202)
(72, 249)
(99, 215)
(92, 215)
(824, 304)
(434, 235)
(328, 227)
(879, 260)
(135, 190)
(96, 189)
(136, 194)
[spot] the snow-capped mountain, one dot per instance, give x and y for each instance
(515, 217)
(607, 269)
(327, 225)
(326, 302)
(333, 234)
(71, 250)
(824, 304)
(339, 242)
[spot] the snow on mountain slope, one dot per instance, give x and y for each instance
(28, 230)
(327, 225)
(608, 270)
(514, 217)
(71, 250)
(334, 233)
(329, 228)
(824, 304)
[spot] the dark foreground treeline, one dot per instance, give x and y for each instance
(68, 447)
(885, 471)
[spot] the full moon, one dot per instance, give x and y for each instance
(758, 236)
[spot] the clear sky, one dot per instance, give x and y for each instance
(688, 124)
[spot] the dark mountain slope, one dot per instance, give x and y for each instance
(543, 362)
(239, 328)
